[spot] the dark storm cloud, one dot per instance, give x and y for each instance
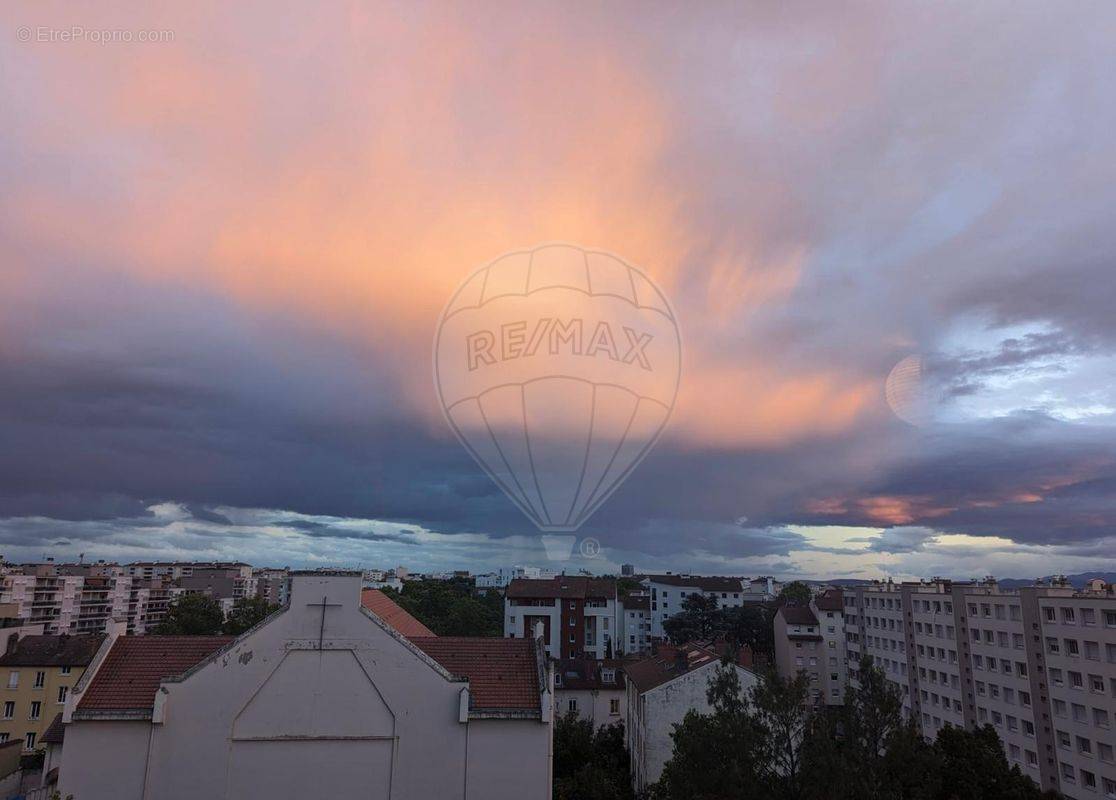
(851, 187)
(206, 515)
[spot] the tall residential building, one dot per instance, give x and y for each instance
(1038, 664)
(579, 616)
(635, 624)
(811, 639)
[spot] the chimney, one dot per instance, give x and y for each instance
(12, 641)
(537, 632)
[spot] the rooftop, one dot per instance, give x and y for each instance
(573, 587)
(578, 673)
(830, 600)
(503, 673)
(52, 651)
(669, 663)
(705, 583)
(798, 615)
(386, 609)
(135, 666)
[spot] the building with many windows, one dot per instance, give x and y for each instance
(1037, 663)
(36, 676)
(578, 616)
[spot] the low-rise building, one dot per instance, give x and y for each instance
(667, 593)
(660, 691)
(37, 674)
(322, 699)
(591, 689)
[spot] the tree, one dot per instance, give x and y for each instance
(751, 625)
(192, 615)
(590, 764)
(795, 592)
(699, 619)
(449, 608)
(974, 767)
(246, 613)
(716, 756)
(782, 711)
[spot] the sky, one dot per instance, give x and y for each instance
(224, 252)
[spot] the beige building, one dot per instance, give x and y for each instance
(1037, 663)
(811, 639)
(37, 674)
(593, 690)
(322, 699)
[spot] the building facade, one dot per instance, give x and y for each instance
(660, 691)
(578, 616)
(37, 674)
(323, 699)
(668, 591)
(593, 690)
(1037, 663)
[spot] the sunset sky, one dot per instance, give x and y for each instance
(223, 256)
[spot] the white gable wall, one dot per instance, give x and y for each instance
(274, 716)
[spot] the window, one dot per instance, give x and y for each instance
(608, 676)
(62, 692)
(572, 705)
(1049, 614)
(29, 741)
(1100, 718)
(66, 670)
(9, 709)
(36, 709)
(1088, 780)
(1084, 746)
(1063, 740)
(1096, 684)
(13, 679)
(4, 737)
(40, 679)
(1068, 617)
(1071, 647)
(614, 705)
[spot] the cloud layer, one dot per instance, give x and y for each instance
(225, 256)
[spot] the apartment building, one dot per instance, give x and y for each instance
(811, 639)
(37, 674)
(84, 598)
(578, 615)
(635, 624)
(668, 591)
(1038, 664)
(593, 690)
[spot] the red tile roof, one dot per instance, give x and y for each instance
(669, 663)
(830, 600)
(52, 651)
(503, 673)
(386, 609)
(798, 615)
(131, 673)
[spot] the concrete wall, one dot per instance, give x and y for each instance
(592, 704)
(654, 714)
(274, 716)
(104, 760)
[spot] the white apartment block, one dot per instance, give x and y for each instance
(668, 591)
(635, 624)
(1038, 664)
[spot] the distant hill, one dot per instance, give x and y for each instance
(1077, 581)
